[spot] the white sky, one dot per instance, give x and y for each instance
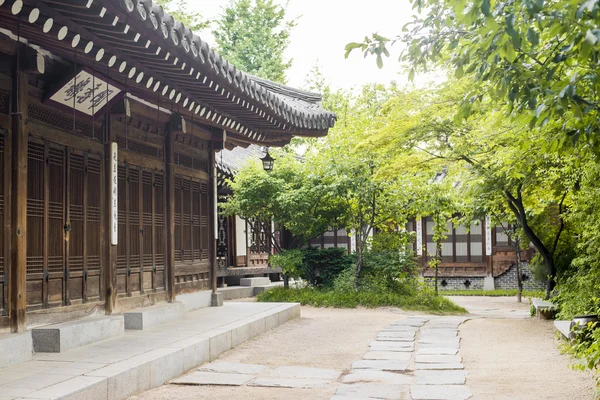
(323, 30)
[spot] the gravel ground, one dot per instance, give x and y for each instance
(507, 355)
(516, 359)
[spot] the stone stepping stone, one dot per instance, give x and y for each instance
(437, 351)
(372, 391)
(442, 325)
(426, 377)
(381, 365)
(367, 375)
(440, 333)
(233, 368)
(290, 383)
(446, 341)
(439, 345)
(391, 346)
(437, 358)
(388, 355)
(213, 378)
(304, 373)
(407, 329)
(394, 339)
(440, 392)
(397, 334)
(448, 366)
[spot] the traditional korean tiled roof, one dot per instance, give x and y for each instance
(230, 161)
(137, 44)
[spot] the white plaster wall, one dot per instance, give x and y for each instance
(240, 237)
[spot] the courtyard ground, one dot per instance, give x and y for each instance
(506, 355)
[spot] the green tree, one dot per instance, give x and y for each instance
(500, 161)
(180, 11)
(253, 36)
(538, 57)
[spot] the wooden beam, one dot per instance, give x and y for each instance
(170, 220)
(110, 276)
(20, 139)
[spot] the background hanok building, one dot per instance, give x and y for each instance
(110, 115)
(243, 246)
(481, 256)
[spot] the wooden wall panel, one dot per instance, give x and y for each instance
(192, 263)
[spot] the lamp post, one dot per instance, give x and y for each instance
(268, 162)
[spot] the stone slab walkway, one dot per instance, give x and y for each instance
(117, 368)
(413, 359)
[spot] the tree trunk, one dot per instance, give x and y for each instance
(286, 281)
(519, 277)
(516, 206)
(359, 260)
(438, 260)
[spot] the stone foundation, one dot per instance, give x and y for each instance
(508, 280)
(456, 283)
(505, 281)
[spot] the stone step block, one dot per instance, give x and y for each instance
(256, 281)
(381, 365)
(15, 348)
(61, 337)
(448, 377)
(196, 300)
(148, 317)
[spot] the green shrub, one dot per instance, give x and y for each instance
(320, 267)
(422, 300)
(290, 262)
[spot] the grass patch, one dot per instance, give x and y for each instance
(421, 301)
(493, 293)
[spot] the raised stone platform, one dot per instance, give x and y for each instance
(15, 348)
(196, 300)
(141, 360)
(256, 281)
(58, 338)
(148, 317)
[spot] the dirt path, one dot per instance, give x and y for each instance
(509, 357)
(506, 354)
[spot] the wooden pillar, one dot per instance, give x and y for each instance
(213, 220)
(170, 188)
(20, 139)
(110, 283)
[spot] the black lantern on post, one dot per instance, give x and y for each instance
(268, 162)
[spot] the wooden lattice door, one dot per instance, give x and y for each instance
(142, 238)
(63, 226)
(83, 226)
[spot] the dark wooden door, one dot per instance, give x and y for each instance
(63, 226)
(141, 251)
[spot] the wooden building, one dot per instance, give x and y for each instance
(481, 256)
(243, 246)
(110, 115)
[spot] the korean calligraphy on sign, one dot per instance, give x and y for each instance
(87, 92)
